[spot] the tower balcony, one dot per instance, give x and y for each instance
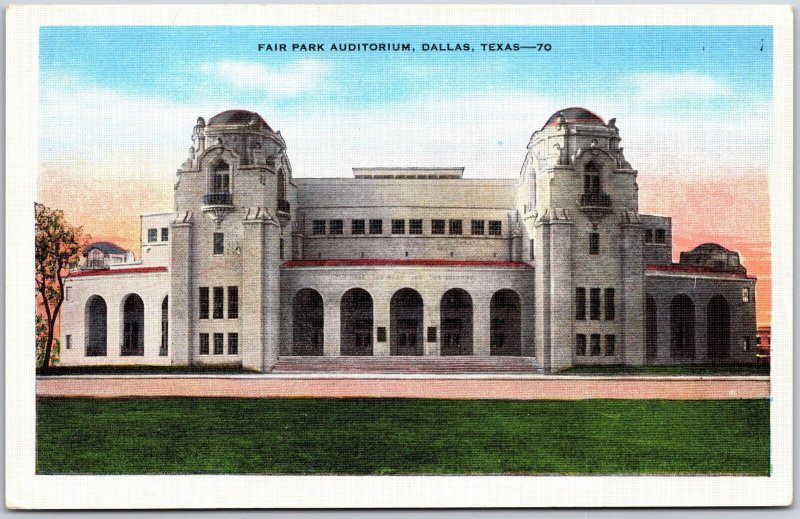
(284, 211)
(595, 204)
(217, 205)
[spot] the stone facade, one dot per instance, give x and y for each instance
(557, 265)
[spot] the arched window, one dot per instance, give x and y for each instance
(682, 327)
(405, 319)
(356, 322)
(505, 318)
(456, 322)
(221, 178)
(132, 326)
(164, 327)
(650, 329)
(308, 330)
(591, 178)
(96, 327)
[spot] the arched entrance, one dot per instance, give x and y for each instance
(96, 327)
(505, 314)
(718, 329)
(308, 328)
(164, 327)
(650, 329)
(456, 322)
(405, 316)
(682, 327)
(132, 326)
(356, 317)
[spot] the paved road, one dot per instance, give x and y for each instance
(408, 386)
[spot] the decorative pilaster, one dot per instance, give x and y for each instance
(631, 299)
(182, 303)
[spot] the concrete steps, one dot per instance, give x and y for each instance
(399, 364)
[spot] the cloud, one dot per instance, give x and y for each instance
(290, 79)
(658, 86)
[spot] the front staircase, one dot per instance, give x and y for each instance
(400, 364)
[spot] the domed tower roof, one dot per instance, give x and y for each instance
(238, 118)
(713, 256)
(573, 115)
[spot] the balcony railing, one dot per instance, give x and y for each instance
(217, 199)
(595, 199)
(284, 206)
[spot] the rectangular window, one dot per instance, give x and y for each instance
(68, 294)
(376, 226)
(580, 303)
(219, 343)
(648, 235)
(456, 227)
(69, 342)
(233, 344)
(431, 334)
(204, 303)
(357, 227)
(280, 245)
(580, 345)
(610, 305)
(203, 344)
(611, 345)
(219, 243)
(337, 226)
(746, 343)
(595, 343)
(661, 236)
(495, 227)
(381, 333)
(594, 304)
(218, 302)
(437, 226)
(164, 233)
(152, 235)
(318, 227)
(594, 243)
(398, 226)
(233, 302)
(745, 295)
(415, 227)
(532, 250)
(477, 227)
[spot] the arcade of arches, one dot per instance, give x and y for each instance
(406, 334)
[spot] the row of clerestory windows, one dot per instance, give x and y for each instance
(219, 344)
(413, 226)
(655, 236)
(152, 234)
(594, 347)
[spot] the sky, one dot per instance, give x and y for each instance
(693, 105)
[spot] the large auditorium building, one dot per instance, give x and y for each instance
(555, 268)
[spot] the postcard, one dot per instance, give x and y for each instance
(301, 256)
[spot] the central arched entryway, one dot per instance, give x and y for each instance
(650, 330)
(96, 327)
(505, 314)
(455, 312)
(308, 323)
(132, 326)
(406, 313)
(356, 317)
(718, 330)
(682, 327)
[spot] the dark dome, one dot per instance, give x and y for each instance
(574, 114)
(710, 248)
(713, 256)
(106, 247)
(238, 117)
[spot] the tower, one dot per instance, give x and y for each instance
(579, 200)
(233, 198)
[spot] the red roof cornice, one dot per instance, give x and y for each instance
(696, 269)
(108, 272)
(374, 262)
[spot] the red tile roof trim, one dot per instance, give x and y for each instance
(107, 272)
(696, 269)
(404, 263)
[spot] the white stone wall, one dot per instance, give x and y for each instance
(156, 253)
(152, 287)
(431, 283)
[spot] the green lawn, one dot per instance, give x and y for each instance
(401, 436)
(700, 369)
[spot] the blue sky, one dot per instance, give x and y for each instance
(172, 63)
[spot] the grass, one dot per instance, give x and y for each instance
(401, 436)
(699, 369)
(141, 370)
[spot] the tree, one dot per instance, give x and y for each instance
(58, 248)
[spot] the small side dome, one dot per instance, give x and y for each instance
(573, 115)
(238, 118)
(106, 247)
(713, 256)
